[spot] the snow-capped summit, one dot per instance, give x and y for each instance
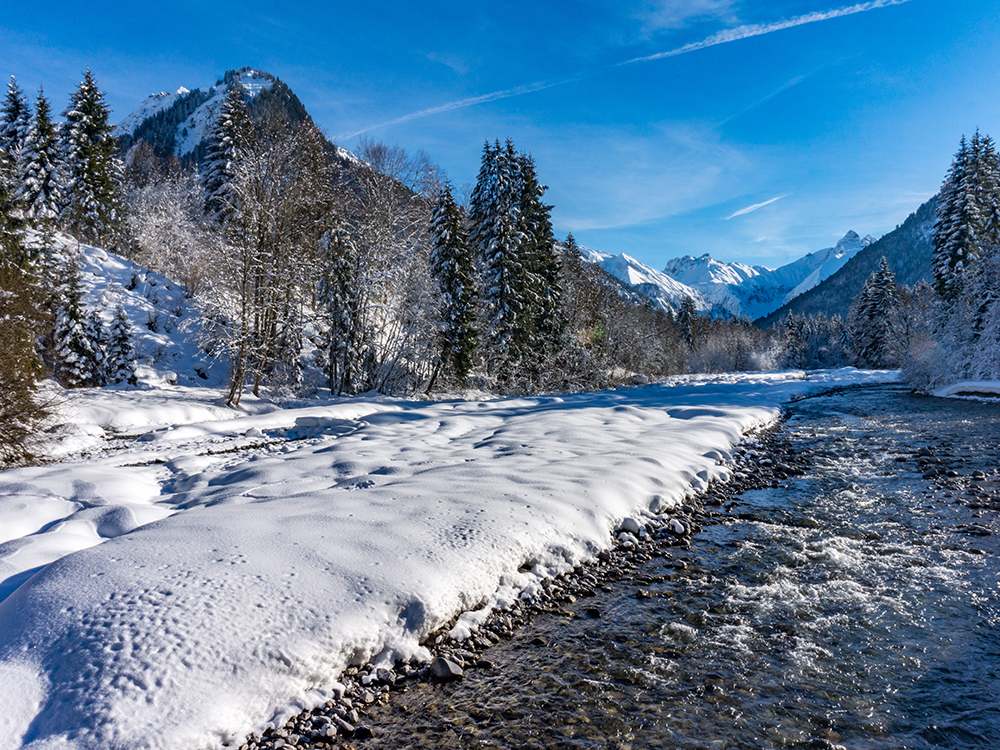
(150, 106)
(665, 292)
(186, 116)
(829, 261)
(706, 270)
(756, 291)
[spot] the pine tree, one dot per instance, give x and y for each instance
(14, 120)
(689, 324)
(92, 209)
(229, 139)
(497, 239)
(968, 212)
(986, 162)
(38, 166)
(338, 299)
(873, 317)
(452, 266)
(120, 358)
(540, 260)
(77, 342)
(20, 296)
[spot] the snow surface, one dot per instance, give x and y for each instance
(154, 103)
(217, 572)
(970, 389)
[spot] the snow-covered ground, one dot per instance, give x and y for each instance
(974, 389)
(209, 570)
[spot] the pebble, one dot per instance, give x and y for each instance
(631, 526)
(445, 670)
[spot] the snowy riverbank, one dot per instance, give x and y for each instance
(173, 592)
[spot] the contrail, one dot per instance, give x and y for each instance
(755, 206)
(472, 100)
(757, 29)
(721, 37)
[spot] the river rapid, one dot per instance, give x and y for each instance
(853, 604)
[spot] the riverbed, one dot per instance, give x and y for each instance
(854, 605)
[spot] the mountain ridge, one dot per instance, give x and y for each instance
(908, 248)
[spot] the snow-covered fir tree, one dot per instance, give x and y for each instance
(14, 120)
(541, 263)
(873, 319)
(120, 354)
(968, 211)
(511, 236)
(497, 240)
(339, 305)
(77, 356)
(453, 267)
(20, 301)
(230, 137)
(38, 166)
(92, 210)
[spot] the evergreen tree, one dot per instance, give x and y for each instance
(968, 212)
(92, 191)
(689, 324)
(873, 318)
(452, 266)
(229, 139)
(14, 120)
(20, 295)
(120, 355)
(986, 185)
(497, 239)
(77, 342)
(338, 299)
(540, 260)
(38, 166)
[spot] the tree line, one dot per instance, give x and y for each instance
(315, 270)
(940, 332)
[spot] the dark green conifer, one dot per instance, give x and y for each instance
(452, 266)
(92, 209)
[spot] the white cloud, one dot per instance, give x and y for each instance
(456, 63)
(755, 206)
(661, 15)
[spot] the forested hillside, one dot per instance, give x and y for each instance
(908, 249)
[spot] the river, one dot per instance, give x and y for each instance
(853, 605)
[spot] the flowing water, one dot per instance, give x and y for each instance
(855, 606)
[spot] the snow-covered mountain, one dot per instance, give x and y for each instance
(178, 122)
(756, 291)
(665, 292)
(729, 289)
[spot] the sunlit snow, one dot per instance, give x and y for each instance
(216, 570)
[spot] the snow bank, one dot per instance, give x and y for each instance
(970, 388)
(169, 595)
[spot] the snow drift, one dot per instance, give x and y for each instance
(172, 594)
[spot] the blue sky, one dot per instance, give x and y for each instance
(756, 132)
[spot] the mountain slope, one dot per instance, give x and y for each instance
(755, 291)
(908, 249)
(178, 123)
(665, 292)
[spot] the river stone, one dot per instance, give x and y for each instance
(630, 525)
(445, 670)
